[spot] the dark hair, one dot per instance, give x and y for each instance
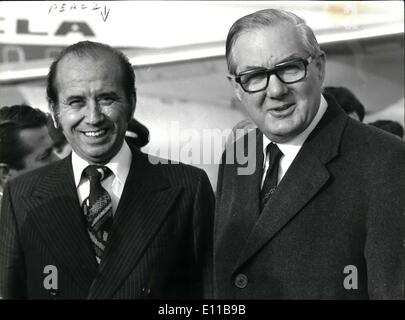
(268, 17)
(91, 48)
(137, 133)
(389, 126)
(12, 120)
(347, 100)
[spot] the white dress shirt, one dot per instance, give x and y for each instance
(114, 184)
(291, 148)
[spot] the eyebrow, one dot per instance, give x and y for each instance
(289, 57)
(285, 59)
(108, 94)
(81, 97)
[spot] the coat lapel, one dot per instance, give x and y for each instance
(303, 180)
(55, 211)
(238, 215)
(145, 202)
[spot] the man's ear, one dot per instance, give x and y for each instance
(132, 104)
(320, 64)
(55, 120)
(54, 114)
(236, 87)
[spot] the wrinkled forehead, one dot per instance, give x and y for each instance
(280, 33)
(273, 43)
(92, 59)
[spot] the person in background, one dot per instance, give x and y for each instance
(25, 142)
(347, 100)
(137, 133)
(321, 216)
(108, 221)
(389, 126)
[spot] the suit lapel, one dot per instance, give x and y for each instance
(145, 202)
(55, 211)
(239, 214)
(303, 180)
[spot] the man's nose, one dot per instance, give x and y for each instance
(94, 113)
(276, 87)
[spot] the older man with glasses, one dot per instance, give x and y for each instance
(321, 217)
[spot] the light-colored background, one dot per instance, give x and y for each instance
(177, 49)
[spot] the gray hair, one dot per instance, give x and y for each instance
(265, 18)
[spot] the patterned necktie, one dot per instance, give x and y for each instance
(270, 181)
(97, 208)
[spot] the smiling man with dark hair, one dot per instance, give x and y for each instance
(104, 222)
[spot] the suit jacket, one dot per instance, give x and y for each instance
(160, 244)
(334, 227)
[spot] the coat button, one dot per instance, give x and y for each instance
(54, 293)
(241, 281)
(146, 291)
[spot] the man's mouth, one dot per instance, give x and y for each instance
(283, 110)
(95, 133)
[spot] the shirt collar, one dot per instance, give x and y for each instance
(294, 145)
(119, 165)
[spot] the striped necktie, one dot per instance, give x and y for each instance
(97, 208)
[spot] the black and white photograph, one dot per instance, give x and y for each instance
(215, 152)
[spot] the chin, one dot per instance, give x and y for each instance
(280, 136)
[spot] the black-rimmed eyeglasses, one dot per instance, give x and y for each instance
(288, 72)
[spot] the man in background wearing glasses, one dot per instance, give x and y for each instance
(321, 217)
